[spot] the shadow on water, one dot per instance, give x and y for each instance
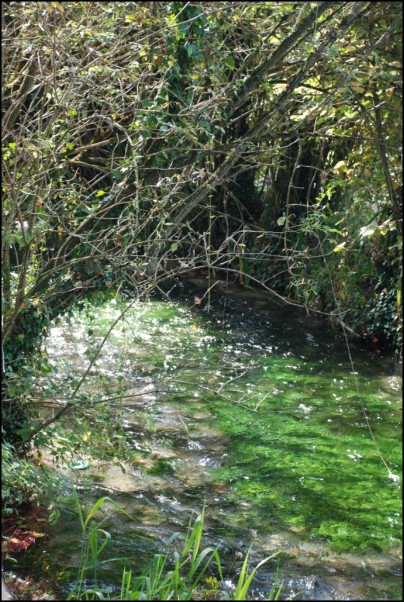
(254, 408)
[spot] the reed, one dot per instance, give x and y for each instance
(178, 576)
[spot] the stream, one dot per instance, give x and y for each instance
(254, 408)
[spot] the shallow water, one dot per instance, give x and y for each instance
(256, 409)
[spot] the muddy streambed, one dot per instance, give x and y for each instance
(254, 408)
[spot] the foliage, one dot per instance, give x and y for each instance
(350, 201)
(23, 480)
(254, 141)
(383, 319)
(176, 578)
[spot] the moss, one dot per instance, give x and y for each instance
(162, 468)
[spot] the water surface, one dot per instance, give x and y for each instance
(256, 409)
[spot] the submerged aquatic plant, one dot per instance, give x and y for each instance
(176, 577)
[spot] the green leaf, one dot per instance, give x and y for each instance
(281, 221)
(230, 62)
(100, 193)
(190, 49)
(332, 52)
(183, 27)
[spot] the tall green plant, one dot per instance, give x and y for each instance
(178, 577)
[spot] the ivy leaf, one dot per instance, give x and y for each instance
(190, 49)
(230, 63)
(332, 52)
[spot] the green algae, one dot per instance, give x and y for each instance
(300, 447)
